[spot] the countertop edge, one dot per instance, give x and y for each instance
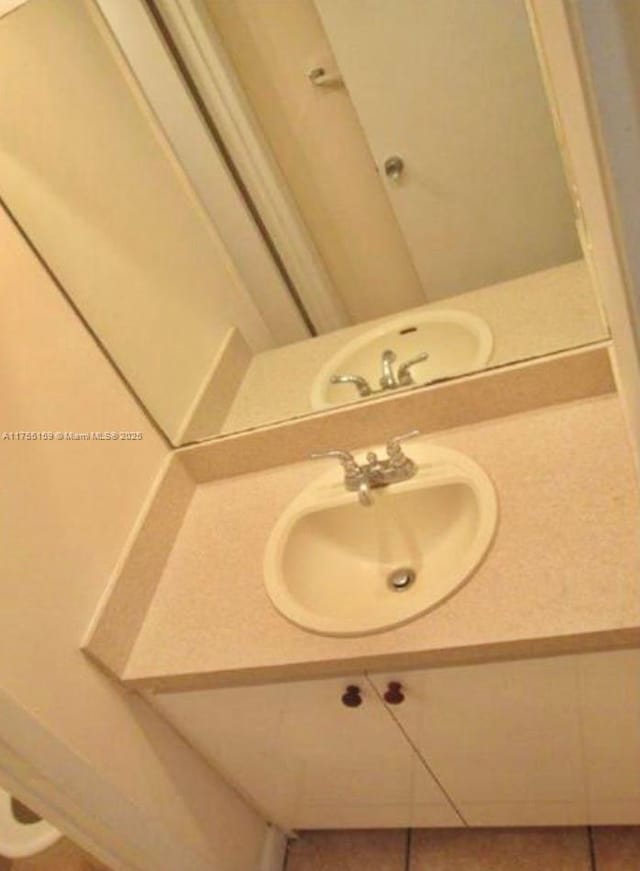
(526, 648)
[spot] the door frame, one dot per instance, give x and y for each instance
(207, 173)
(576, 68)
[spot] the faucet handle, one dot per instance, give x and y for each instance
(348, 461)
(394, 450)
(405, 378)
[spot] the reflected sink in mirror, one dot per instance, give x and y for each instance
(217, 332)
(335, 567)
(457, 342)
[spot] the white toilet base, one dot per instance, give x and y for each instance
(18, 840)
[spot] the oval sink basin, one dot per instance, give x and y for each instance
(457, 342)
(335, 567)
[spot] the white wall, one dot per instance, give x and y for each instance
(66, 508)
(454, 87)
(318, 143)
(456, 90)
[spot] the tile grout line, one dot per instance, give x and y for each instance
(592, 851)
(407, 853)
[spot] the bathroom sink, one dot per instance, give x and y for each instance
(456, 341)
(335, 567)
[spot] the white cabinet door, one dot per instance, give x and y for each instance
(453, 87)
(308, 761)
(610, 706)
(504, 739)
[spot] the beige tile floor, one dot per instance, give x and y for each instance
(500, 850)
(617, 848)
(551, 849)
(349, 850)
(577, 849)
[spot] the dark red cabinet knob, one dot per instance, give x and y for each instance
(351, 697)
(394, 694)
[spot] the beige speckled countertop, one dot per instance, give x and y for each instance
(563, 573)
(531, 316)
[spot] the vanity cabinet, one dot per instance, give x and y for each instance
(505, 738)
(308, 760)
(553, 741)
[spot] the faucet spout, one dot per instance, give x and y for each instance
(361, 384)
(388, 379)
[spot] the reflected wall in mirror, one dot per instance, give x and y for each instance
(393, 213)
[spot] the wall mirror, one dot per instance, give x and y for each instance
(267, 208)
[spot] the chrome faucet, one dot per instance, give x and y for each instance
(389, 380)
(376, 472)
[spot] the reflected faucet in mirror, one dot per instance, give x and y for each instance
(389, 379)
(164, 254)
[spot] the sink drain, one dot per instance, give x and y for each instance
(401, 579)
